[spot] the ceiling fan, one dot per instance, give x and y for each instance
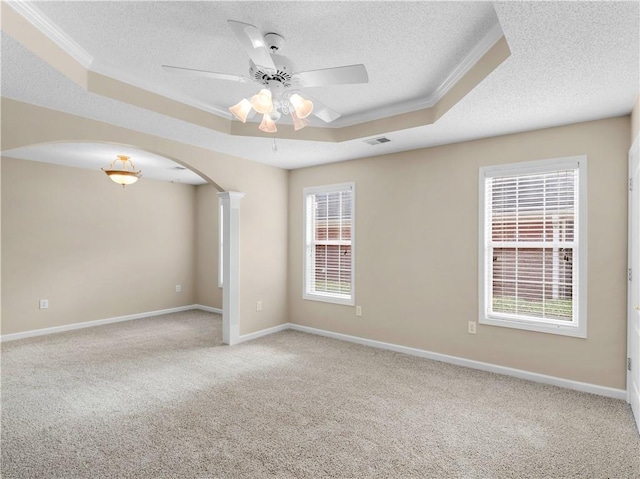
(281, 82)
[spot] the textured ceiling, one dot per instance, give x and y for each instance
(409, 48)
(94, 156)
(570, 62)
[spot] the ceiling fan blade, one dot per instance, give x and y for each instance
(320, 110)
(207, 74)
(325, 113)
(253, 42)
(334, 76)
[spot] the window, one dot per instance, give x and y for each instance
(329, 235)
(533, 246)
(220, 242)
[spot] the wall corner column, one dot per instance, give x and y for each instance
(230, 266)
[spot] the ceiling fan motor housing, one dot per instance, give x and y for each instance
(273, 41)
(282, 75)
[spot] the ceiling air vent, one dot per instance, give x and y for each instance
(179, 168)
(377, 141)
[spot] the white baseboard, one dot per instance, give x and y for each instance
(101, 322)
(263, 332)
(210, 309)
(469, 363)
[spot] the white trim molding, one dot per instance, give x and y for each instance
(263, 332)
(577, 326)
(102, 322)
(468, 62)
(632, 354)
(52, 31)
(231, 266)
(220, 272)
(309, 291)
(40, 21)
(158, 89)
(458, 361)
(90, 324)
(470, 363)
(208, 309)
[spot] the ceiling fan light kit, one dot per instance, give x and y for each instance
(277, 75)
(302, 107)
(267, 125)
(241, 110)
(298, 123)
(262, 101)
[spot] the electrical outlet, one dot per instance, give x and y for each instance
(358, 310)
(178, 288)
(471, 328)
(44, 304)
(259, 306)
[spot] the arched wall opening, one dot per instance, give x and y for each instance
(103, 229)
(263, 229)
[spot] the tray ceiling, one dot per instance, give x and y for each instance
(570, 62)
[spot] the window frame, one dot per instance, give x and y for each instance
(306, 245)
(578, 326)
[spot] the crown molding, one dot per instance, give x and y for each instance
(39, 20)
(46, 26)
(468, 62)
(121, 75)
(43, 24)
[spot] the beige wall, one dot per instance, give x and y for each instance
(206, 255)
(410, 285)
(95, 250)
(416, 252)
(263, 211)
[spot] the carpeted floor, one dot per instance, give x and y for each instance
(162, 398)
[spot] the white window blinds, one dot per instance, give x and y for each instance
(531, 241)
(329, 223)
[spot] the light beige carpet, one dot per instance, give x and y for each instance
(161, 398)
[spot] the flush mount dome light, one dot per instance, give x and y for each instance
(126, 175)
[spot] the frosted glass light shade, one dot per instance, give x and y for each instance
(261, 101)
(298, 123)
(267, 125)
(123, 176)
(302, 106)
(241, 110)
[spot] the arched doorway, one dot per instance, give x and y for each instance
(93, 155)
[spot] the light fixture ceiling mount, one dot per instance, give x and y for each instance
(281, 84)
(126, 174)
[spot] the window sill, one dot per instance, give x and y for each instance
(329, 299)
(568, 330)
